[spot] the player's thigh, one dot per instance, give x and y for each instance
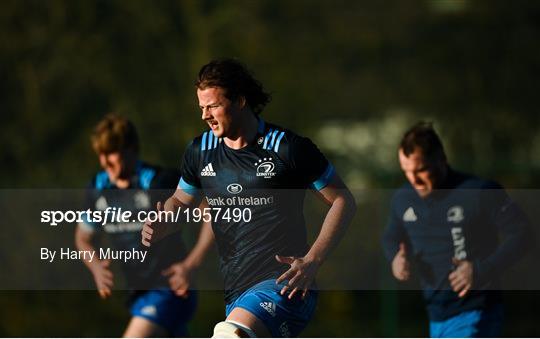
(139, 327)
(281, 316)
(249, 320)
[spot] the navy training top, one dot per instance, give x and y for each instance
(463, 219)
(148, 185)
(269, 177)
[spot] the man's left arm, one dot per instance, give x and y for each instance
(514, 227)
(503, 214)
(342, 209)
(180, 273)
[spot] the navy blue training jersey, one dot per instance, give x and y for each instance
(269, 177)
(461, 220)
(148, 185)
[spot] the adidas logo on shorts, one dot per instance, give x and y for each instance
(208, 171)
(269, 307)
(284, 330)
(149, 310)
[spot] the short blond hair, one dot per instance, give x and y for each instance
(114, 133)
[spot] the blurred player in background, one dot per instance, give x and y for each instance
(444, 226)
(161, 302)
(268, 267)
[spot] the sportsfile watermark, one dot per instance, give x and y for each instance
(119, 215)
(40, 226)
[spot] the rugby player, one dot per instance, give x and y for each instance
(243, 161)
(445, 224)
(161, 302)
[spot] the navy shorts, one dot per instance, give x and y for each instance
(166, 309)
(282, 317)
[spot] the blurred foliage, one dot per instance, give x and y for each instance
(351, 75)
(469, 67)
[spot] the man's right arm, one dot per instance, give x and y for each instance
(154, 231)
(181, 199)
(395, 248)
(187, 195)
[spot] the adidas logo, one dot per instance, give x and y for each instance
(101, 203)
(208, 171)
(149, 310)
(284, 330)
(269, 307)
(409, 215)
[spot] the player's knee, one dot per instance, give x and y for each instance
(232, 329)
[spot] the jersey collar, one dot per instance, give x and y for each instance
(133, 181)
(261, 127)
